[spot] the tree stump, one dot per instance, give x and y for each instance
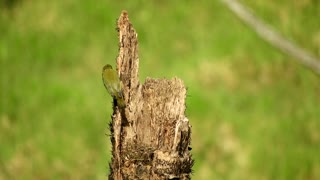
(151, 135)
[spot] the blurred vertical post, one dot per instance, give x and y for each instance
(151, 135)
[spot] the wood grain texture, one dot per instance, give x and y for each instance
(151, 135)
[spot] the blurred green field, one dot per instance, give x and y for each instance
(255, 112)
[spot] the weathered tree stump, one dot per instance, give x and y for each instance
(151, 135)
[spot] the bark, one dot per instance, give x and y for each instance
(151, 135)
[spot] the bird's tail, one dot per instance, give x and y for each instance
(120, 102)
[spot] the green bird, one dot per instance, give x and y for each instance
(112, 83)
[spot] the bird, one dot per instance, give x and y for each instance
(112, 83)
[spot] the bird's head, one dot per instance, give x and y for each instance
(107, 66)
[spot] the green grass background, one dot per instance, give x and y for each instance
(255, 112)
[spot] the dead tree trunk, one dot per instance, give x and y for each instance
(151, 135)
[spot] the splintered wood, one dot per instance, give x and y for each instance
(151, 135)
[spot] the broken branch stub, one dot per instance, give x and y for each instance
(151, 135)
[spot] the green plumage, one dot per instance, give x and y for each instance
(112, 83)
